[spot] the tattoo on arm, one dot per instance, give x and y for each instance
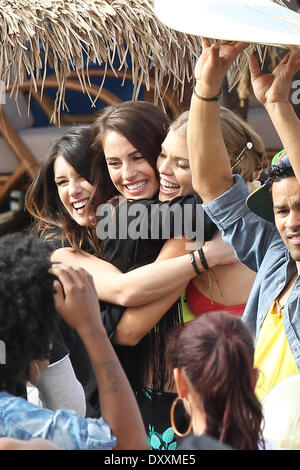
(108, 375)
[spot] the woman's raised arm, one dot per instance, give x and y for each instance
(210, 164)
(273, 92)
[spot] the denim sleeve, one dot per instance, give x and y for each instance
(23, 420)
(248, 234)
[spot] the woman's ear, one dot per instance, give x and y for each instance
(181, 383)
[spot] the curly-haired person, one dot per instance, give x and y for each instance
(28, 316)
(32, 291)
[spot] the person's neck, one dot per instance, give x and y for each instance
(198, 422)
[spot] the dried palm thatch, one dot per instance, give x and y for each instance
(68, 35)
(65, 35)
(269, 54)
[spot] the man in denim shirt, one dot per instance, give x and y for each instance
(272, 250)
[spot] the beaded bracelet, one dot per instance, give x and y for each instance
(193, 263)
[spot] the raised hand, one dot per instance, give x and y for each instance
(274, 87)
(213, 64)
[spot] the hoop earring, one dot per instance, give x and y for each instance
(178, 433)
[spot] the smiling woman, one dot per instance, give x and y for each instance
(62, 185)
(224, 286)
(174, 168)
(127, 141)
(74, 191)
(130, 172)
(55, 199)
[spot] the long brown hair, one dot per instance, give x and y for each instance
(145, 126)
(42, 200)
(216, 352)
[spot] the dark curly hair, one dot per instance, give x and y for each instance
(27, 311)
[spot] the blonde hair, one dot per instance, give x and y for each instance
(236, 133)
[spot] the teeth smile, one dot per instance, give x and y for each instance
(80, 205)
(168, 185)
(136, 185)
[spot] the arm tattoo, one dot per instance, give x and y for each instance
(108, 373)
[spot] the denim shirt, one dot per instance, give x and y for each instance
(23, 420)
(258, 245)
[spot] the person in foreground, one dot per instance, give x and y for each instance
(271, 249)
(32, 292)
(212, 358)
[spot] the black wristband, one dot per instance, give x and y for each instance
(193, 263)
(203, 259)
(213, 98)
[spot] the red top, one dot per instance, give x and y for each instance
(200, 304)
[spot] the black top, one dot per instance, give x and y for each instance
(155, 222)
(134, 232)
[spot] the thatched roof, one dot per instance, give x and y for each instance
(67, 34)
(64, 34)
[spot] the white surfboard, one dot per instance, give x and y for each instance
(253, 21)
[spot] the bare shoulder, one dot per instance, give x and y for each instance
(64, 255)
